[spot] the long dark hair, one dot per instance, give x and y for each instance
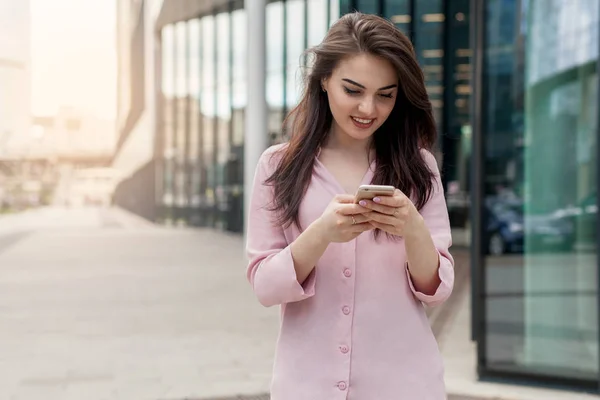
(409, 127)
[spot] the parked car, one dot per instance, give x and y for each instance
(503, 230)
(509, 230)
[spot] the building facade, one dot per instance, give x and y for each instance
(515, 92)
(193, 106)
(138, 69)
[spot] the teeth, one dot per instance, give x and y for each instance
(363, 121)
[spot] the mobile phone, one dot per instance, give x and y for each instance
(368, 192)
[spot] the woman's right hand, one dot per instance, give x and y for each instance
(343, 220)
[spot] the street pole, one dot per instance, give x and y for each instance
(255, 132)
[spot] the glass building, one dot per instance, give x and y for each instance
(203, 95)
(535, 264)
(514, 87)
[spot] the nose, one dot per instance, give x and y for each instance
(366, 106)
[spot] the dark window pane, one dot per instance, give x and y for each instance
(368, 6)
(429, 45)
(398, 11)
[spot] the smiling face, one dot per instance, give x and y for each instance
(362, 92)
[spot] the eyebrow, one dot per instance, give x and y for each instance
(361, 86)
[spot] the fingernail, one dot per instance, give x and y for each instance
(362, 203)
(376, 199)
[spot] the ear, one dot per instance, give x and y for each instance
(324, 82)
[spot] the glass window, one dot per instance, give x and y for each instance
(181, 102)
(235, 165)
(168, 90)
(398, 11)
(275, 82)
(223, 78)
(295, 48)
(194, 111)
(456, 140)
(180, 76)
(334, 11)
(345, 6)
(317, 21)
(429, 45)
(207, 107)
(223, 116)
(239, 89)
(368, 6)
(540, 195)
(274, 15)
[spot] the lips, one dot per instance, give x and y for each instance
(362, 123)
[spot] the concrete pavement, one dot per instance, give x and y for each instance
(99, 304)
(109, 311)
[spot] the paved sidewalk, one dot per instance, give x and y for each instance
(109, 313)
(57, 218)
(98, 305)
(459, 354)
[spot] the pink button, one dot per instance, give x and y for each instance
(344, 349)
(347, 273)
(342, 385)
(346, 310)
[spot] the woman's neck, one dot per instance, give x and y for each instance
(339, 141)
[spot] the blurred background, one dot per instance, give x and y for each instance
(130, 129)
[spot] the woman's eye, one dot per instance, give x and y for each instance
(388, 95)
(350, 91)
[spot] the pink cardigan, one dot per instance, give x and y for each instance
(356, 329)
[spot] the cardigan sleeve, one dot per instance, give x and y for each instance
(435, 215)
(270, 269)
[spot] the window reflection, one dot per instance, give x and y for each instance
(540, 189)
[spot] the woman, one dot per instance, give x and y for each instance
(352, 279)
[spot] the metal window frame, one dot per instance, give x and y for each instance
(477, 174)
(478, 288)
(597, 197)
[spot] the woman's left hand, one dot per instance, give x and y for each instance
(395, 214)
